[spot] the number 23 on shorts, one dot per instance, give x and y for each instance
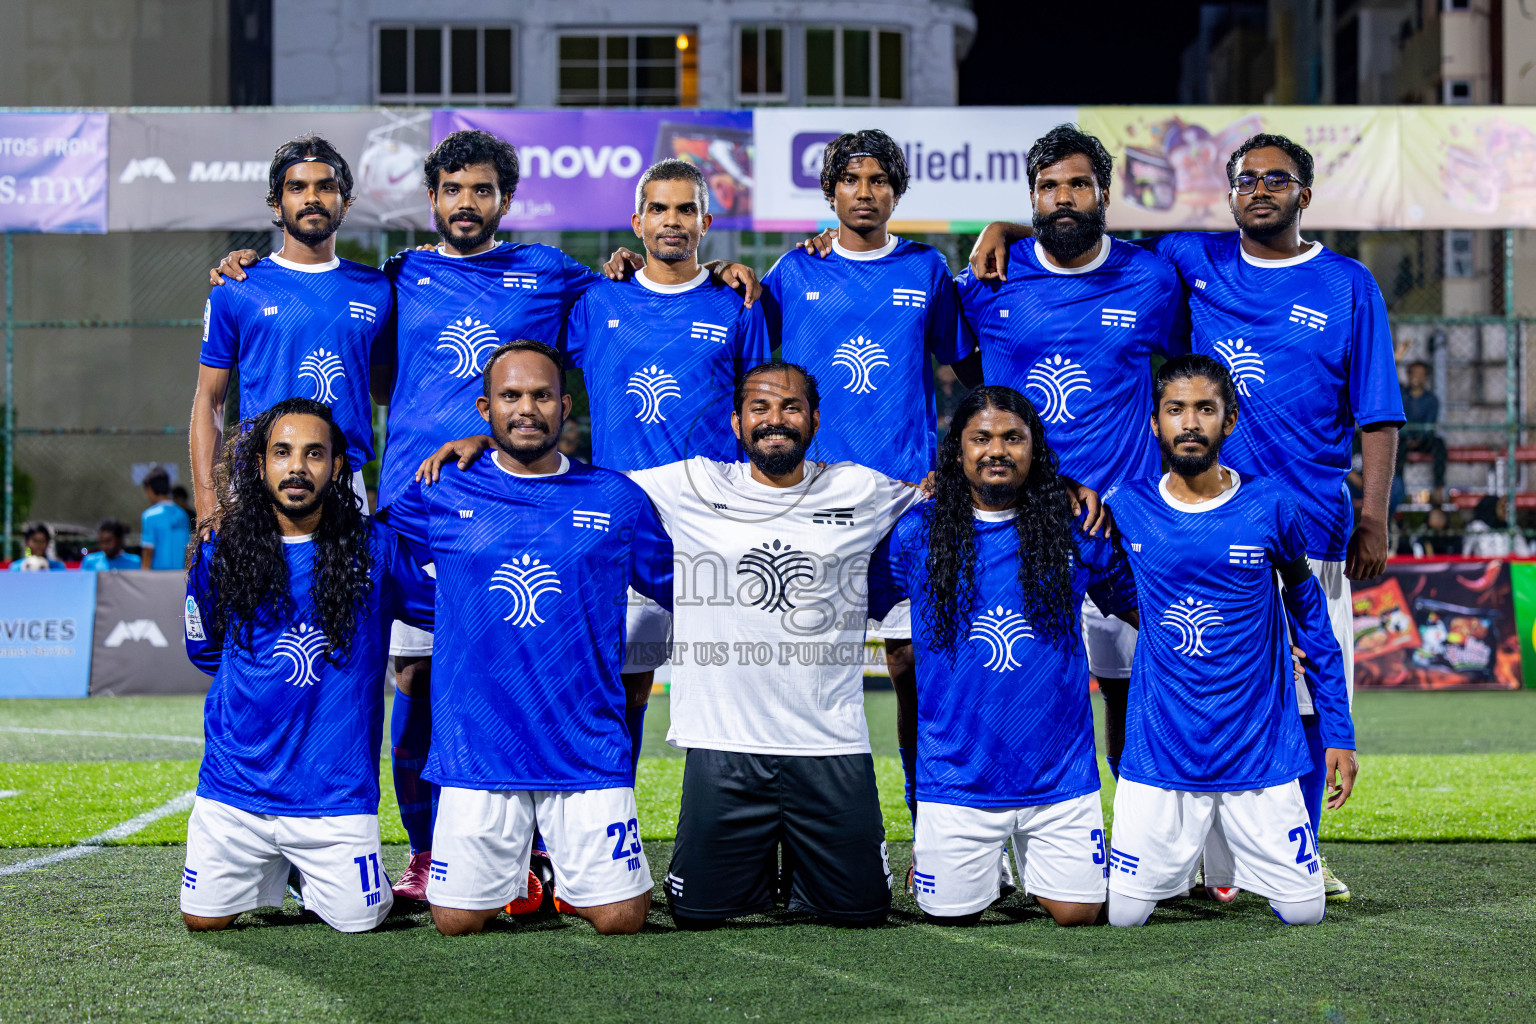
(626, 850)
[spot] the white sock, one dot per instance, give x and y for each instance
(1130, 912)
(1305, 912)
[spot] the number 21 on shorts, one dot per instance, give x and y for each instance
(1306, 852)
(626, 846)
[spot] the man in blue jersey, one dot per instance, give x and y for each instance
(302, 322)
(37, 536)
(996, 571)
(109, 553)
(289, 605)
(534, 554)
(1214, 745)
(163, 528)
(1304, 333)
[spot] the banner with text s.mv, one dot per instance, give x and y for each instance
(45, 633)
(966, 165)
(578, 168)
(53, 173)
(1171, 163)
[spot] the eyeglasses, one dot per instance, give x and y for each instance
(1274, 181)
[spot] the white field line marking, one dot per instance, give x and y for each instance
(122, 831)
(108, 735)
(9, 792)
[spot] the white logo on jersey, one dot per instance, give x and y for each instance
(861, 357)
(1249, 556)
(513, 279)
(909, 297)
(1001, 628)
(653, 385)
(193, 618)
(1191, 618)
(1199, 284)
(1247, 366)
(773, 567)
(269, 311)
(613, 323)
(423, 280)
(812, 296)
(1313, 318)
(1058, 378)
(591, 520)
(363, 311)
(468, 340)
(301, 647)
(466, 513)
(1003, 313)
(708, 332)
(1117, 317)
(527, 581)
(324, 368)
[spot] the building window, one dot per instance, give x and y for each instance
(462, 64)
(854, 66)
(760, 64)
(1458, 92)
(630, 69)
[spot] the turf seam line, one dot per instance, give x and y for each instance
(123, 830)
(107, 735)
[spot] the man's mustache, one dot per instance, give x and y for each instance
(296, 481)
(764, 432)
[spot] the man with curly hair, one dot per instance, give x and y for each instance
(289, 605)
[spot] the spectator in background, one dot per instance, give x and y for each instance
(163, 525)
(38, 537)
(1422, 408)
(573, 442)
(109, 553)
(947, 392)
(1434, 540)
(1488, 533)
(184, 502)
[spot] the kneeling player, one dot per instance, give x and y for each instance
(996, 570)
(1214, 744)
(289, 606)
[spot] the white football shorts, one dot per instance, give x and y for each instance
(1257, 839)
(1111, 643)
(897, 624)
(957, 853)
(407, 641)
(1341, 616)
(647, 635)
(483, 839)
(238, 861)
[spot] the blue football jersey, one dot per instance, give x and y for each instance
(1003, 719)
(294, 330)
(450, 313)
(1310, 349)
(660, 365)
(532, 578)
(1212, 701)
(866, 324)
(286, 731)
(1078, 343)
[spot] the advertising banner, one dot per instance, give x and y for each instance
(1433, 625)
(1523, 577)
(53, 173)
(966, 165)
(138, 643)
(196, 171)
(579, 167)
(1170, 163)
(45, 633)
(1469, 167)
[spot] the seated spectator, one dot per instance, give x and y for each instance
(1488, 533)
(109, 553)
(1434, 539)
(38, 537)
(163, 526)
(1422, 408)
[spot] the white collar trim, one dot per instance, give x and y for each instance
(1254, 261)
(671, 289)
(565, 467)
(1088, 268)
(891, 241)
(441, 251)
(303, 538)
(1204, 506)
(995, 517)
(305, 268)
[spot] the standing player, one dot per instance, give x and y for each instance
(996, 572)
(1075, 326)
(288, 607)
(534, 555)
(1304, 332)
(163, 528)
(303, 321)
(1213, 745)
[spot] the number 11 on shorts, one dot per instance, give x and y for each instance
(629, 851)
(371, 893)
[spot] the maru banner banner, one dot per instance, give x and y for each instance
(53, 173)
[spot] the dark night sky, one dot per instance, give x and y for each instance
(1108, 52)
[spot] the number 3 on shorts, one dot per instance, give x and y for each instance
(620, 830)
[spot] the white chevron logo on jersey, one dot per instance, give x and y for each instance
(468, 339)
(1001, 628)
(653, 385)
(526, 580)
(1246, 365)
(302, 647)
(772, 568)
(861, 357)
(1058, 379)
(1191, 618)
(324, 368)
(1313, 318)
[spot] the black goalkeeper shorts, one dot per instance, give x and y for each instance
(739, 809)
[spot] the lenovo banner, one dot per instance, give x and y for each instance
(139, 644)
(45, 633)
(53, 173)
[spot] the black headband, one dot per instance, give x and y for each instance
(282, 172)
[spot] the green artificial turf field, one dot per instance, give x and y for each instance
(1442, 926)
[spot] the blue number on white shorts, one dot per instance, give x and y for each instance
(1306, 852)
(630, 850)
(371, 893)
(1097, 835)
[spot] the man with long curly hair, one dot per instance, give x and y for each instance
(996, 570)
(289, 606)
